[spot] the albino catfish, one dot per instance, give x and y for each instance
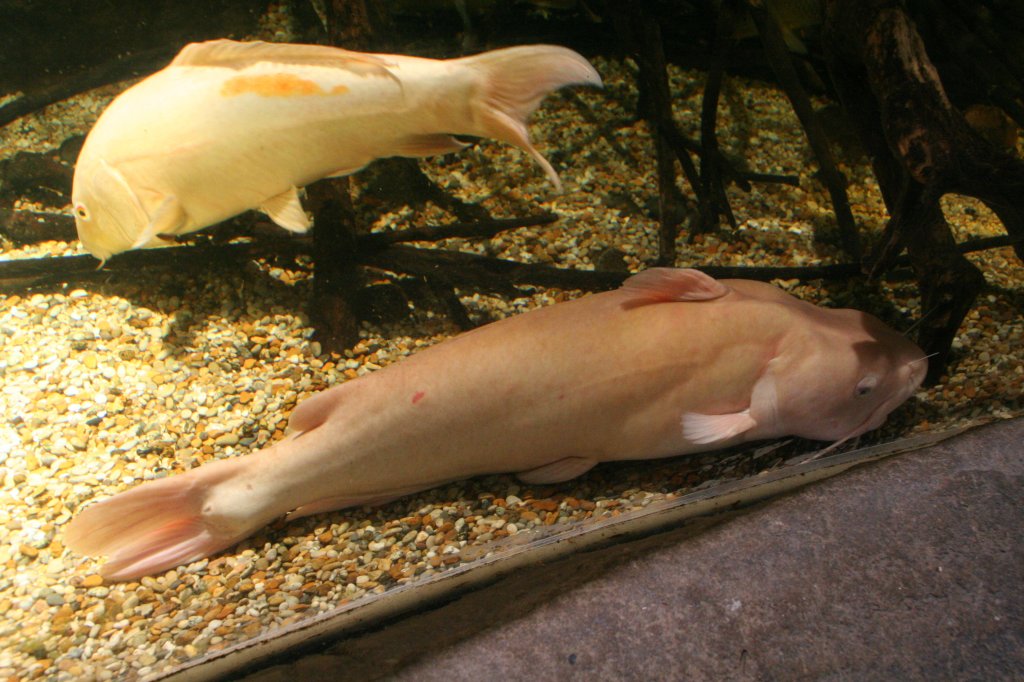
(229, 126)
(673, 362)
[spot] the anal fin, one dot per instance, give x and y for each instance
(329, 504)
(348, 170)
(285, 209)
(429, 145)
(558, 471)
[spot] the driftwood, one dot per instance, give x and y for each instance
(921, 148)
(386, 251)
(29, 227)
(978, 48)
(458, 269)
(336, 282)
(68, 47)
(117, 69)
(337, 279)
(19, 275)
(641, 34)
(433, 233)
(712, 186)
(404, 182)
(781, 63)
(638, 28)
(715, 168)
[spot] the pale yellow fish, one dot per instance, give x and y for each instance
(229, 126)
(672, 363)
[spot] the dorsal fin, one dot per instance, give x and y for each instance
(238, 55)
(662, 285)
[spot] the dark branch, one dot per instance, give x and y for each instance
(113, 71)
(501, 276)
(778, 56)
(433, 233)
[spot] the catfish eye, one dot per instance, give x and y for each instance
(866, 385)
(81, 211)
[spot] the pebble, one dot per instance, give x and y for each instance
(120, 381)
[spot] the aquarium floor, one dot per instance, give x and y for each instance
(909, 568)
(127, 376)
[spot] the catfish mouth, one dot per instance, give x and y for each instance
(873, 421)
(878, 416)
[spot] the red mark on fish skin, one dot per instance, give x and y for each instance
(418, 396)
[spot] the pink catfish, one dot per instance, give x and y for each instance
(673, 362)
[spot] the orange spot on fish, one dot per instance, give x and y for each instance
(339, 89)
(271, 85)
(418, 396)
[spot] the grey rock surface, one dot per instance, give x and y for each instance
(911, 568)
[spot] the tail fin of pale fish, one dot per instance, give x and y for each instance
(516, 80)
(157, 525)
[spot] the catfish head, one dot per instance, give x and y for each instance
(108, 214)
(843, 376)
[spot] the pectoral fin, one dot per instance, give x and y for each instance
(168, 219)
(662, 285)
(285, 209)
(558, 471)
(704, 429)
(328, 504)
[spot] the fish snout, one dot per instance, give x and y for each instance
(108, 213)
(105, 227)
(90, 242)
(914, 376)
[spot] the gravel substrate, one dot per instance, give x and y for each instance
(128, 379)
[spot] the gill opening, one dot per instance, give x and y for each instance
(122, 182)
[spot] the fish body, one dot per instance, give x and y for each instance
(230, 126)
(674, 362)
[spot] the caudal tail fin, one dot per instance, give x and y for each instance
(157, 525)
(516, 80)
